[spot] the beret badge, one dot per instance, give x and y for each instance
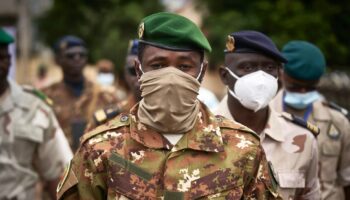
(141, 30)
(230, 44)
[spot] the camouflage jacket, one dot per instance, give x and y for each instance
(124, 159)
(73, 112)
(32, 144)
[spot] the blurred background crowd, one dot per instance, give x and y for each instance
(108, 26)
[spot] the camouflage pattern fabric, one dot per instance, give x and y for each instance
(124, 159)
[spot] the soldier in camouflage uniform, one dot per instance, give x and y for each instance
(75, 98)
(306, 64)
(32, 144)
(252, 58)
(169, 146)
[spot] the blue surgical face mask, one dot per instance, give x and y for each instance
(105, 79)
(300, 100)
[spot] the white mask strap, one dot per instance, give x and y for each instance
(200, 72)
(140, 68)
(231, 73)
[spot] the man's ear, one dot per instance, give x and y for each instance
(224, 75)
(204, 69)
(137, 68)
(57, 59)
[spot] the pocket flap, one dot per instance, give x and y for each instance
(218, 183)
(291, 179)
(330, 149)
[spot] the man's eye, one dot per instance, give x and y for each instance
(157, 66)
(270, 67)
(184, 67)
(248, 67)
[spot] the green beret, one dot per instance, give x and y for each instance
(172, 31)
(305, 60)
(5, 38)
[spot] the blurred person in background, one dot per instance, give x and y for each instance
(252, 63)
(132, 85)
(75, 98)
(299, 96)
(41, 79)
(33, 147)
(107, 78)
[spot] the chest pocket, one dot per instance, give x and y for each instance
(26, 140)
(129, 180)
(330, 148)
(291, 179)
(221, 184)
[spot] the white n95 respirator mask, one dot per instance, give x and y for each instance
(255, 90)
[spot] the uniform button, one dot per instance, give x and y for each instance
(124, 118)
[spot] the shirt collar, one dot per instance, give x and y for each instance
(205, 136)
(274, 127)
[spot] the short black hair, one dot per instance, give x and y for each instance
(142, 46)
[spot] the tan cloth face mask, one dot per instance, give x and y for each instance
(169, 103)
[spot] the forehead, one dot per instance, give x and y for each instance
(152, 52)
(231, 58)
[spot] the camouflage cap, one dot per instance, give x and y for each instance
(5, 38)
(172, 31)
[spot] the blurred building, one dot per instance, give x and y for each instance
(335, 86)
(16, 16)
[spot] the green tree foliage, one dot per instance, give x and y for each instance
(323, 22)
(106, 26)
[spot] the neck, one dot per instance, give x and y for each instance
(4, 84)
(254, 120)
(74, 79)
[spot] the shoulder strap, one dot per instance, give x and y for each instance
(338, 108)
(226, 123)
(38, 93)
(301, 122)
(103, 115)
(119, 121)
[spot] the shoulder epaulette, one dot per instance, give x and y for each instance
(338, 108)
(227, 123)
(119, 121)
(38, 94)
(301, 122)
(103, 115)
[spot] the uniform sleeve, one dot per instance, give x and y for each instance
(263, 184)
(344, 164)
(82, 179)
(312, 189)
(54, 153)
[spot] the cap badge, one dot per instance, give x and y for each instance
(230, 44)
(141, 30)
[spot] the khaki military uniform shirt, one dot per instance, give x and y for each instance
(124, 159)
(73, 112)
(293, 153)
(31, 144)
(334, 147)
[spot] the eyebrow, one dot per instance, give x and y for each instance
(157, 58)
